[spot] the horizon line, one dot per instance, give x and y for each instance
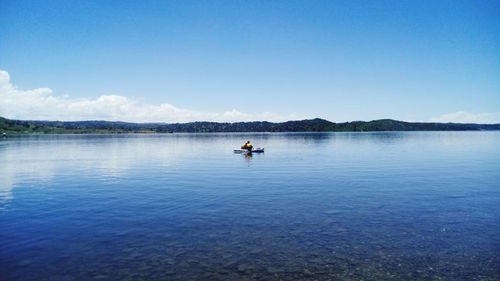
(255, 121)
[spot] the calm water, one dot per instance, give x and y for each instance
(349, 206)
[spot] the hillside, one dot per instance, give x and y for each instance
(313, 125)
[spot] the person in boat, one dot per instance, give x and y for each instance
(248, 146)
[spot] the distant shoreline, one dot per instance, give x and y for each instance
(22, 127)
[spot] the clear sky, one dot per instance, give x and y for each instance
(247, 60)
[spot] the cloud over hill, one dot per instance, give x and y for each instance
(43, 104)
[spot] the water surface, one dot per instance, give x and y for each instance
(314, 206)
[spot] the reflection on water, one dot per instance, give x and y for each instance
(314, 206)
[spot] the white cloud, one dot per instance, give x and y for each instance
(467, 117)
(42, 104)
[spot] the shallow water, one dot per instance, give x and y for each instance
(314, 206)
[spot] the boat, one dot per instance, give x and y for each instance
(255, 150)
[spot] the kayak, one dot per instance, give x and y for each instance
(255, 150)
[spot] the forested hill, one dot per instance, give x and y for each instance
(8, 126)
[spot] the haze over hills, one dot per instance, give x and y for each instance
(9, 126)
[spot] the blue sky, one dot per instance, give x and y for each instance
(247, 60)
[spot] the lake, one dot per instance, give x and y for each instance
(314, 206)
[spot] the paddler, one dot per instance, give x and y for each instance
(248, 146)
